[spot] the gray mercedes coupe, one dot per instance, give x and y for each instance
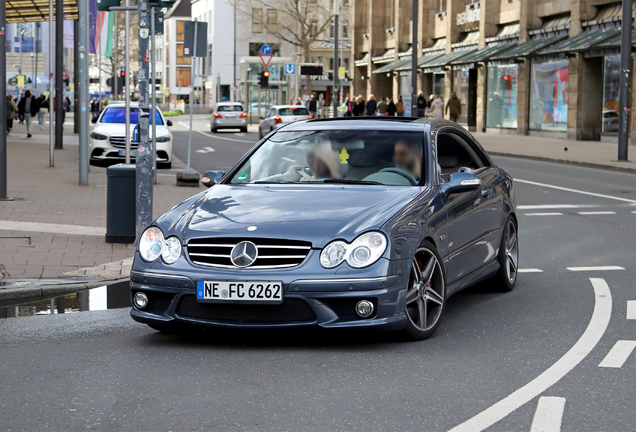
(366, 223)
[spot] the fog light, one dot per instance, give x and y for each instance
(141, 300)
(364, 308)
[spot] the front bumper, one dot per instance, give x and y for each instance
(230, 123)
(326, 303)
(103, 150)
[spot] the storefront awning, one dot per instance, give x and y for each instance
(364, 61)
(36, 10)
(438, 45)
(393, 66)
(445, 60)
(552, 24)
(614, 42)
(481, 55)
(580, 42)
(527, 48)
(387, 57)
(605, 14)
(507, 31)
(421, 61)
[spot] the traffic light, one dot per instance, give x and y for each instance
(264, 79)
(67, 80)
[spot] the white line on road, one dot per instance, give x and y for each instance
(530, 270)
(588, 340)
(576, 191)
(597, 213)
(52, 228)
(543, 214)
(618, 354)
(549, 413)
(216, 136)
(555, 206)
(634, 212)
(596, 268)
(631, 309)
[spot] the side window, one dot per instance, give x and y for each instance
(455, 154)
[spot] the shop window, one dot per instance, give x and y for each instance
(438, 84)
(180, 30)
(257, 20)
(502, 96)
(183, 77)
(611, 86)
(460, 86)
(549, 96)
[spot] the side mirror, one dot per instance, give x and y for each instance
(94, 120)
(210, 178)
(460, 182)
(169, 122)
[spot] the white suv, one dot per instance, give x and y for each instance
(108, 137)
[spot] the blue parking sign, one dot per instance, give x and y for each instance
(290, 68)
(266, 49)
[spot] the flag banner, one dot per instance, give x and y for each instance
(92, 26)
(100, 31)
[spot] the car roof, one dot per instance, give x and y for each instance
(229, 103)
(287, 106)
(370, 123)
(118, 104)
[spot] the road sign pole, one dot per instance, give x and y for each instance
(194, 54)
(153, 88)
(625, 80)
(144, 174)
(336, 83)
(51, 87)
(414, 61)
(82, 98)
(3, 105)
(126, 87)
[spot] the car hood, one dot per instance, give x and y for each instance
(119, 129)
(316, 213)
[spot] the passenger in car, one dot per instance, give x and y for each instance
(323, 162)
(407, 156)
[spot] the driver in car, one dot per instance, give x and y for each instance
(407, 156)
(323, 162)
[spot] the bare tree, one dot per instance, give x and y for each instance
(298, 22)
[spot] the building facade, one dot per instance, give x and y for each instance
(546, 68)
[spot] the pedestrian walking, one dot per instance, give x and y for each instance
(20, 113)
(312, 105)
(41, 99)
(372, 107)
(346, 108)
(11, 111)
(27, 109)
(454, 105)
(399, 107)
(44, 111)
(391, 109)
(437, 108)
(358, 107)
(382, 106)
(421, 104)
(94, 108)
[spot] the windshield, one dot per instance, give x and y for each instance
(118, 115)
(293, 111)
(223, 108)
(362, 157)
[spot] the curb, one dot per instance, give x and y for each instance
(565, 162)
(43, 292)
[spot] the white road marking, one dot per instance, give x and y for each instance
(205, 150)
(216, 136)
(575, 191)
(618, 354)
(597, 213)
(288, 159)
(596, 268)
(634, 212)
(555, 206)
(588, 340)
(52, 228)
(549, 413)
(530, 270)
(631, 309)
(543, 214)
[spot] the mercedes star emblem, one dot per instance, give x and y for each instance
(244, 254)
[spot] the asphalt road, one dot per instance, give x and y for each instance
(521, 361)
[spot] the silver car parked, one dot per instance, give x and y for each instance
(279, 115)
(228, 115)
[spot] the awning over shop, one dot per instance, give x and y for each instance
(392, 66)
(446, 59)
(387, 57)
(553, 23)
(580, 42)
(439, 45)
(507, 31)
(606, 14)
(421, 61)
(482, 54)
(614, 41)
(364, 61)
(470, 38)
(527, 48)
(36, 10)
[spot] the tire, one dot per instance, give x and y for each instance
(260, 133)
(508, 257)
(211, 128)
(426, 294)
(164, 165)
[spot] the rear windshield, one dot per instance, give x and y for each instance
(293, 111)
(118, 115)
(223, 108)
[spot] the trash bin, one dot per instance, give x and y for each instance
(121, 203)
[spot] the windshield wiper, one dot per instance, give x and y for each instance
(351, 181)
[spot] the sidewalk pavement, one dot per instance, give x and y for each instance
(55, 228)
(593, 154)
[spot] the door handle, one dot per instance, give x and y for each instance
(484, 192)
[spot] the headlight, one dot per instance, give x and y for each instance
(97, 136)
(151, 244)
(364, 251)
(333, 254)
(163, 138)
(171, 250)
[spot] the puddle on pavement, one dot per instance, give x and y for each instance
(112, 296)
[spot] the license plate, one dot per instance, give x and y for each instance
(133, 153)
(235, 291)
